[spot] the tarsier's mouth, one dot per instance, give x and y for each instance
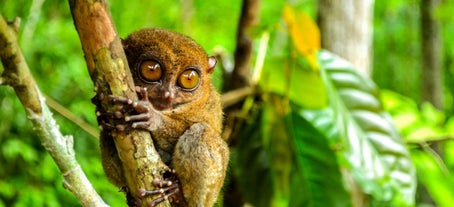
(163, 105)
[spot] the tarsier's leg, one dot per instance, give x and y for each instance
(110, 160)
(200, 161)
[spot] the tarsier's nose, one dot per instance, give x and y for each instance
(168, 96)
(166, 99)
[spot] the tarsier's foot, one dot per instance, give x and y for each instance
(167, 189)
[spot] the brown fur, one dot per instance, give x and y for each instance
(188, 125)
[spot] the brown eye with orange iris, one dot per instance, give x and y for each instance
(150, 70)
(189, 79)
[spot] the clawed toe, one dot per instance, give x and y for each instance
(166, 189)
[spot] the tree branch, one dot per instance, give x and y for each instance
(60, 147)
(240, 75)
(110, 73)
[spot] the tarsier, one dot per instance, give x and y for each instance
(181, 109)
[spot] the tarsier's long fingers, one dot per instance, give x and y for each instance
(122, 100)
(138, 117)
(166, 193)
(141, 106)
(141, 125)
(168, 196)
(143, 93)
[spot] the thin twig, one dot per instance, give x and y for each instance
(426, 147)
(235, 96)
(429, 140)
(72, 117)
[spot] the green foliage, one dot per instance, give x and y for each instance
(396, 32)
(285, 142)
(397, 66)
(354, 134)
(51, 46)
(295, 161)
(425, 127)
(311, 134)
(397, 48)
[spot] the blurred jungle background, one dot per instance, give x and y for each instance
(317, 133)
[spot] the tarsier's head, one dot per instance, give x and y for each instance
(173, 67)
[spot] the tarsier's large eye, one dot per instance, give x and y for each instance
(150, 70)
(188, 79)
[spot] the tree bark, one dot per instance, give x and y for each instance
(243, 51)
(431, 82)
(346, 29)
(432, 47)
(109, 70)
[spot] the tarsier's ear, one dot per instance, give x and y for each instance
(211, 64)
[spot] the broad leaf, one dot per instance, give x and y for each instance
(373, 150)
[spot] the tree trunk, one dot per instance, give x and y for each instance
(431, 82)
(432, 45)
(346, 29)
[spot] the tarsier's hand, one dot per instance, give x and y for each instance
(130, 114)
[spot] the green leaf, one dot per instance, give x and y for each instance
(374, 152)
(416, 125)
(318, 163)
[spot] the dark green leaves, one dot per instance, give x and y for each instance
(285, 161)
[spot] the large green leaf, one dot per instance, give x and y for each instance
(318, 164)
(369, 143)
